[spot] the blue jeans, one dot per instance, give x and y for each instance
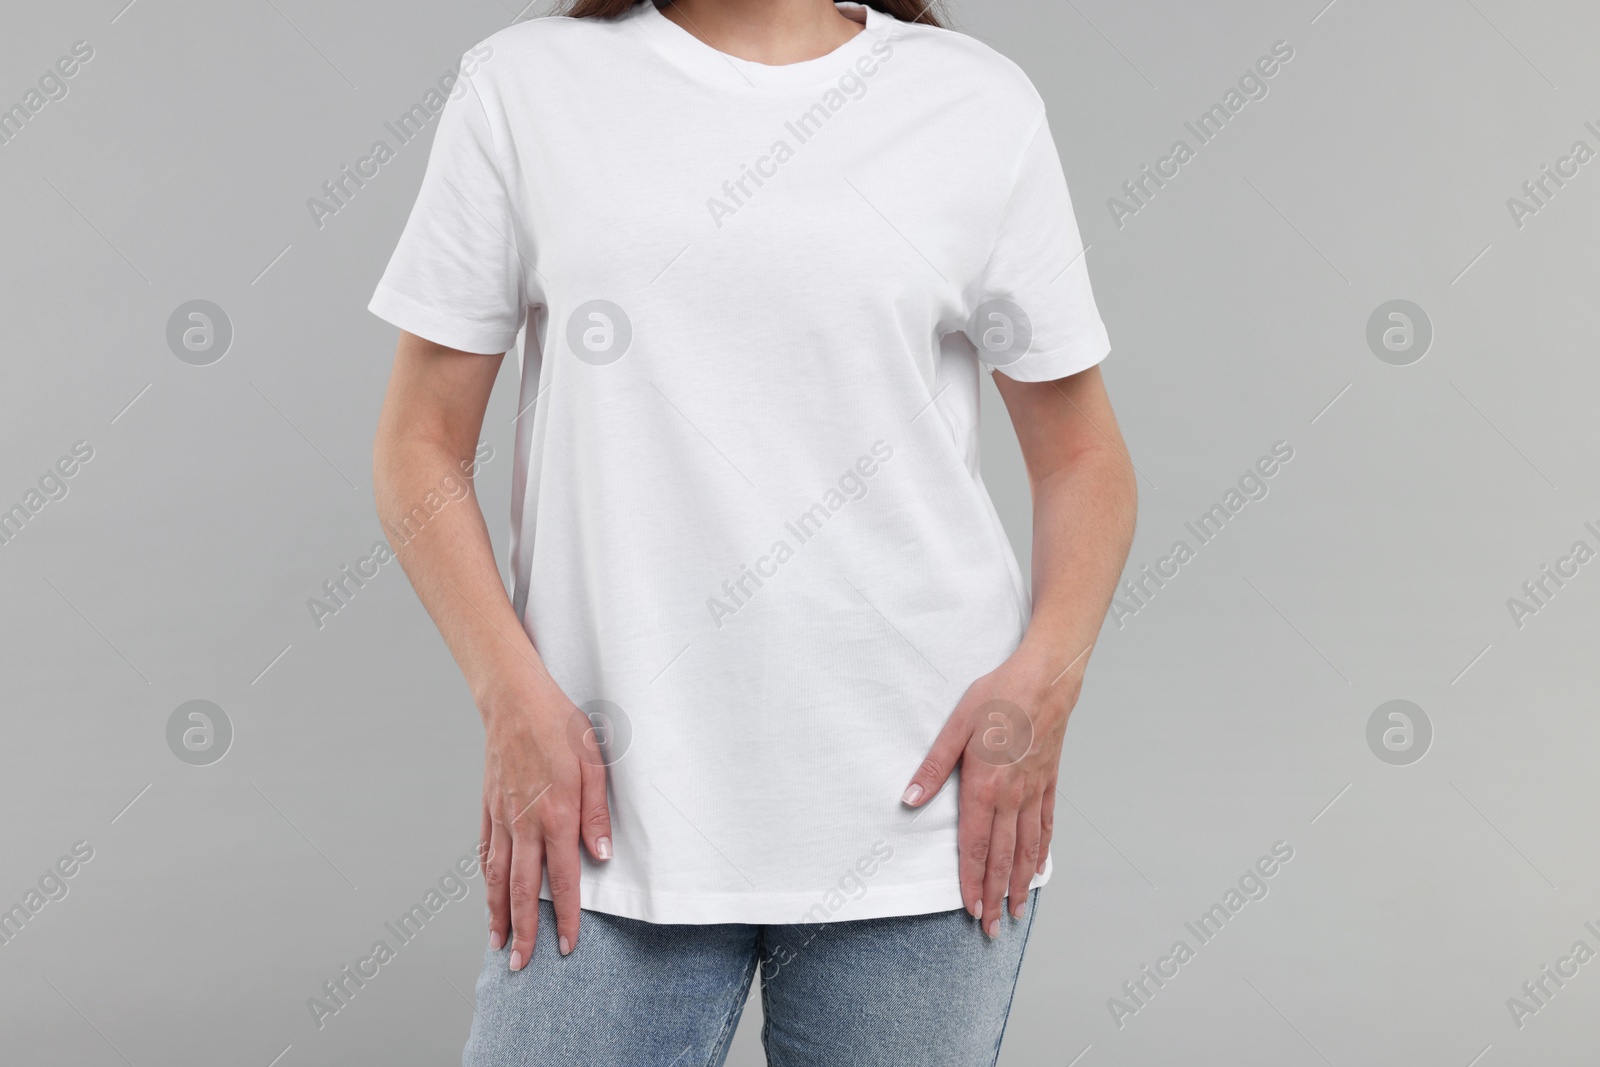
(924, 990)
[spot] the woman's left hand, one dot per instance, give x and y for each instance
(1006, 734)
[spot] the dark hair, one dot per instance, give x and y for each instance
(904, 10)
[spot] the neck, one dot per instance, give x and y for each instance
(775, 32)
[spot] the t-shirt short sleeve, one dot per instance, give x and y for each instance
(455, 278)
(1035, 318)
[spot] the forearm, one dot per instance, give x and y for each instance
(544, 786)
(448, 556)
(1082, 529)
(1007, 731)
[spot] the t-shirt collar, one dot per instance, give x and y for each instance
(685, 48)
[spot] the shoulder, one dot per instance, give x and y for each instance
(542, 44)
(966, 61)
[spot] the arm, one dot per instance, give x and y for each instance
(536, 786)
(1084, 500)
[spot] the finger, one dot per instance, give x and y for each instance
(997, 873)
(973, 827)
(1025, 865)
(561, 861)
(940, 760)
(497, 884)
(527, 856)
(596, 812)
(1047, 823)
(485, 834)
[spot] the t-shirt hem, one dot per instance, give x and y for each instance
(1061, 362)
(398, 309)
(774, 909)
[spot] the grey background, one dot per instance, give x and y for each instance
(1228, 714)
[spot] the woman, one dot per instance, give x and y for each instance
(758, 252)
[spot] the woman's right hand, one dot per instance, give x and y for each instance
(544, 787)
(544, 781)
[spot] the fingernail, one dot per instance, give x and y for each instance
(602, 848)
(1041, 868)
(977, 911)
(994, 928)
(912, 794)
(1016, 912)
(496, 939)
(516, 961)
(566, 946)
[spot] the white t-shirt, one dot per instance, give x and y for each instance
(748, 532)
